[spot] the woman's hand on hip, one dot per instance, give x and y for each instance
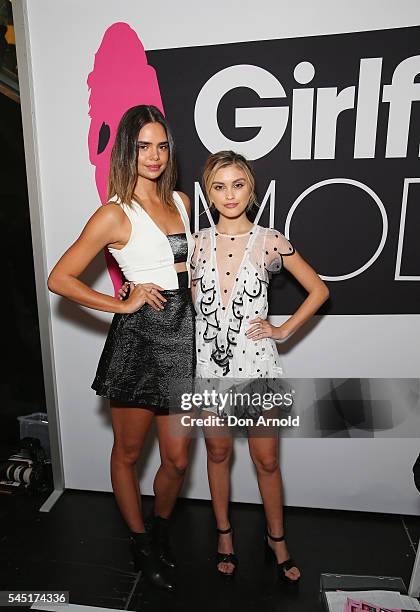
(147, 293)
(125, 290)
(260, 328)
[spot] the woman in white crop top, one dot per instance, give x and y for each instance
(150, 345)
(231, 265)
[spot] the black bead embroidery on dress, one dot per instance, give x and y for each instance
(212, 323)
(221, 358)
(254, 285)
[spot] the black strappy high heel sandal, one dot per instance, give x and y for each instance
(226, 557)
(283, 567)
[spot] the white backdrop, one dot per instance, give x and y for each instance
(62, 38)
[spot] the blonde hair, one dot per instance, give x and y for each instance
(222, 159)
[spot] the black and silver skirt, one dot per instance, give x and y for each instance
(148, 359)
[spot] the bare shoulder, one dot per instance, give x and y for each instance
(108, 213)
(186, 201)
(113, 209)
(107, 221)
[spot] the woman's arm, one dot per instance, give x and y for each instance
(106, 226)
(101, 229)
(318, 293)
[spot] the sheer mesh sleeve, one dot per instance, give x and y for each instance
(194, 258)
(276, 247)
(201, 253)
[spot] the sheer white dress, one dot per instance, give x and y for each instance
(230, 276)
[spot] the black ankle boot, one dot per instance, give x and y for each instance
(146, 561)
(159, 529)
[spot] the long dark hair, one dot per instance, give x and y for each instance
(123, 169)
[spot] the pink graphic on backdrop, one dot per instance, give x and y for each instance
(121, 78)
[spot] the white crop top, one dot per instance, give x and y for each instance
(148, 257)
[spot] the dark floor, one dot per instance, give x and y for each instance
(82, 546)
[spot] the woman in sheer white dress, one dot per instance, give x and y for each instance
(231, 268)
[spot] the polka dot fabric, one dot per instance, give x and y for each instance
(230, 276)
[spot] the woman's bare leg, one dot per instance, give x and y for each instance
(219, 452)
(174, 444)
(264, 454)
(130, 426)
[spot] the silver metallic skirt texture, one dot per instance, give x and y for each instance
(147, 352)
